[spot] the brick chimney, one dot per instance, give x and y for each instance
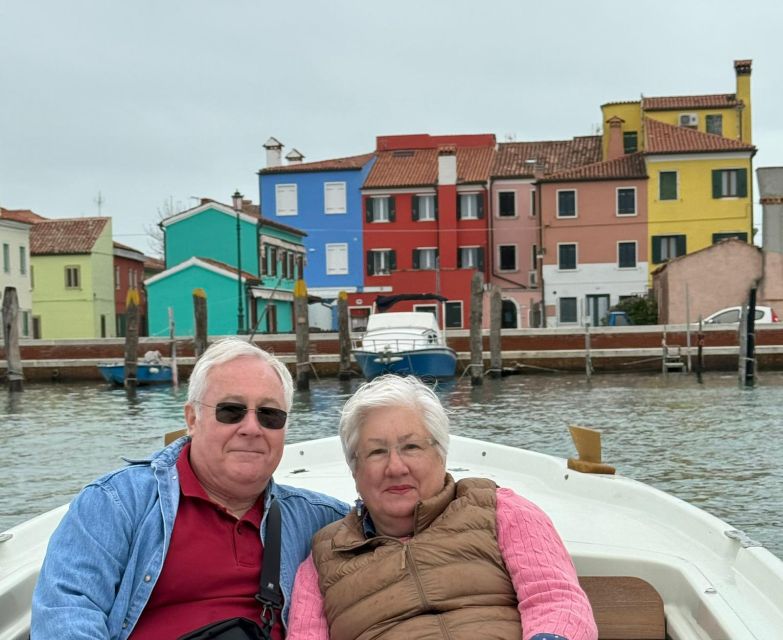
(615, 147)
(274, 152)
(742, 69)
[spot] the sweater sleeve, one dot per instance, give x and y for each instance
(550, 598)
(307, 620)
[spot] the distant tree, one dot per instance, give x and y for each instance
(640, 309)
(155, 232)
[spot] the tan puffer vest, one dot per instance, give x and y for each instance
(447, 581)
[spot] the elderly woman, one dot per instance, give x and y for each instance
(423, 556)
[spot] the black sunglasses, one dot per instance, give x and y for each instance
(234, 412)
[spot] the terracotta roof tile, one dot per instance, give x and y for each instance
(20, 215)
(268, 222)
(666, 138)
(228, 267)
(715, 101)
(519, 159)
(66, 235)
(153, 264)
(419, 167)
(630, 166)
(335, 164)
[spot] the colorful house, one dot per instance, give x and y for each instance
(72, 274)
(128, 274)
(15, 268)
(322, 199)
(698, 153)
(246, 267)
(515, 199)
(425, 222)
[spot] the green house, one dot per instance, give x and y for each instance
(246, 266)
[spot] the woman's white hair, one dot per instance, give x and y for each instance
(226, 350)
(389, 391)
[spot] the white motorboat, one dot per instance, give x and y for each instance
(713, 582)
(406, 343)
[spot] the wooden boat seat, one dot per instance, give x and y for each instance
(625, 608)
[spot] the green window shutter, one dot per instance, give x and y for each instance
(459, 259)
(370, 271)
(656, 250)
(742, 183)
(415, 208)
(392, 260)
(681, 245)
(368, 209)
(459, 206)
(415, 258)
(717, 180)
(480, 253)
(667, 185)
(480, 204)
(392, 212)
(436, 207)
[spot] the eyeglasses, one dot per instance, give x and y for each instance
(234, 412)
(410, 451)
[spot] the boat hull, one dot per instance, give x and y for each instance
(145, 373)
(433, 362)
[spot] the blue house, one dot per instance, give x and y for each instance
(246, 267)
(324, 200)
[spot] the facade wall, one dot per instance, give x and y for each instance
(176, 291)
(730, 119)
(127, 273)
(692, 278)
(212, 233)
(695, 213)
(16, 237)
(631, 113)
(323, 228)
(597, 230)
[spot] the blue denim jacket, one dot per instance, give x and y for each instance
(105, 556)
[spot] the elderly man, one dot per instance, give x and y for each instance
(168, 545)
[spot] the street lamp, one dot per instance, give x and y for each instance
(237, 199)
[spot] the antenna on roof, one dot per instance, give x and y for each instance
(99, 201)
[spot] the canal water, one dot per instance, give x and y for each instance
(714, 444)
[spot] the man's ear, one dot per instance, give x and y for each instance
(190, 418)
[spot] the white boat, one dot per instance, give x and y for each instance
(406, 343)
(714, 582)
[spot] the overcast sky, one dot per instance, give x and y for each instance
(156, 101)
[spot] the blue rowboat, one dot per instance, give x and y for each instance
(114, 373)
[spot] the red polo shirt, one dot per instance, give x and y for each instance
(212, 568)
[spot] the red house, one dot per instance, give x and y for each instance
(128, 274)
(425, 221)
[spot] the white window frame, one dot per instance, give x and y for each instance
(431, 251)
(384, 213)
(635, 255)
(516, 258)
(386, 253)
(338, 190)
(473, 210)
(635, 202)
(461, 313)
(576, 203)
(336, 269)
(286, 199)
(516, 208)
(474, 249)
(576, 255)
(430, 199)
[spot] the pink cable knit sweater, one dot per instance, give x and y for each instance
(550, 599)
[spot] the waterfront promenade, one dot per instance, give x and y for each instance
(611, 349)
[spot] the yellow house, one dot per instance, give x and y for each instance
(698, 152)
(72, 274)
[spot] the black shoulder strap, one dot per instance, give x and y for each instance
(269, 595)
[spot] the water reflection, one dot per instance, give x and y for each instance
(715, 444)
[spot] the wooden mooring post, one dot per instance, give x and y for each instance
(495, 318)
(302, 327)
(345, 372)
(476, 342)
(13, 354)
(131, 338)
(747, 355)
(173, 349)
(588, 356)
(200, 317)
